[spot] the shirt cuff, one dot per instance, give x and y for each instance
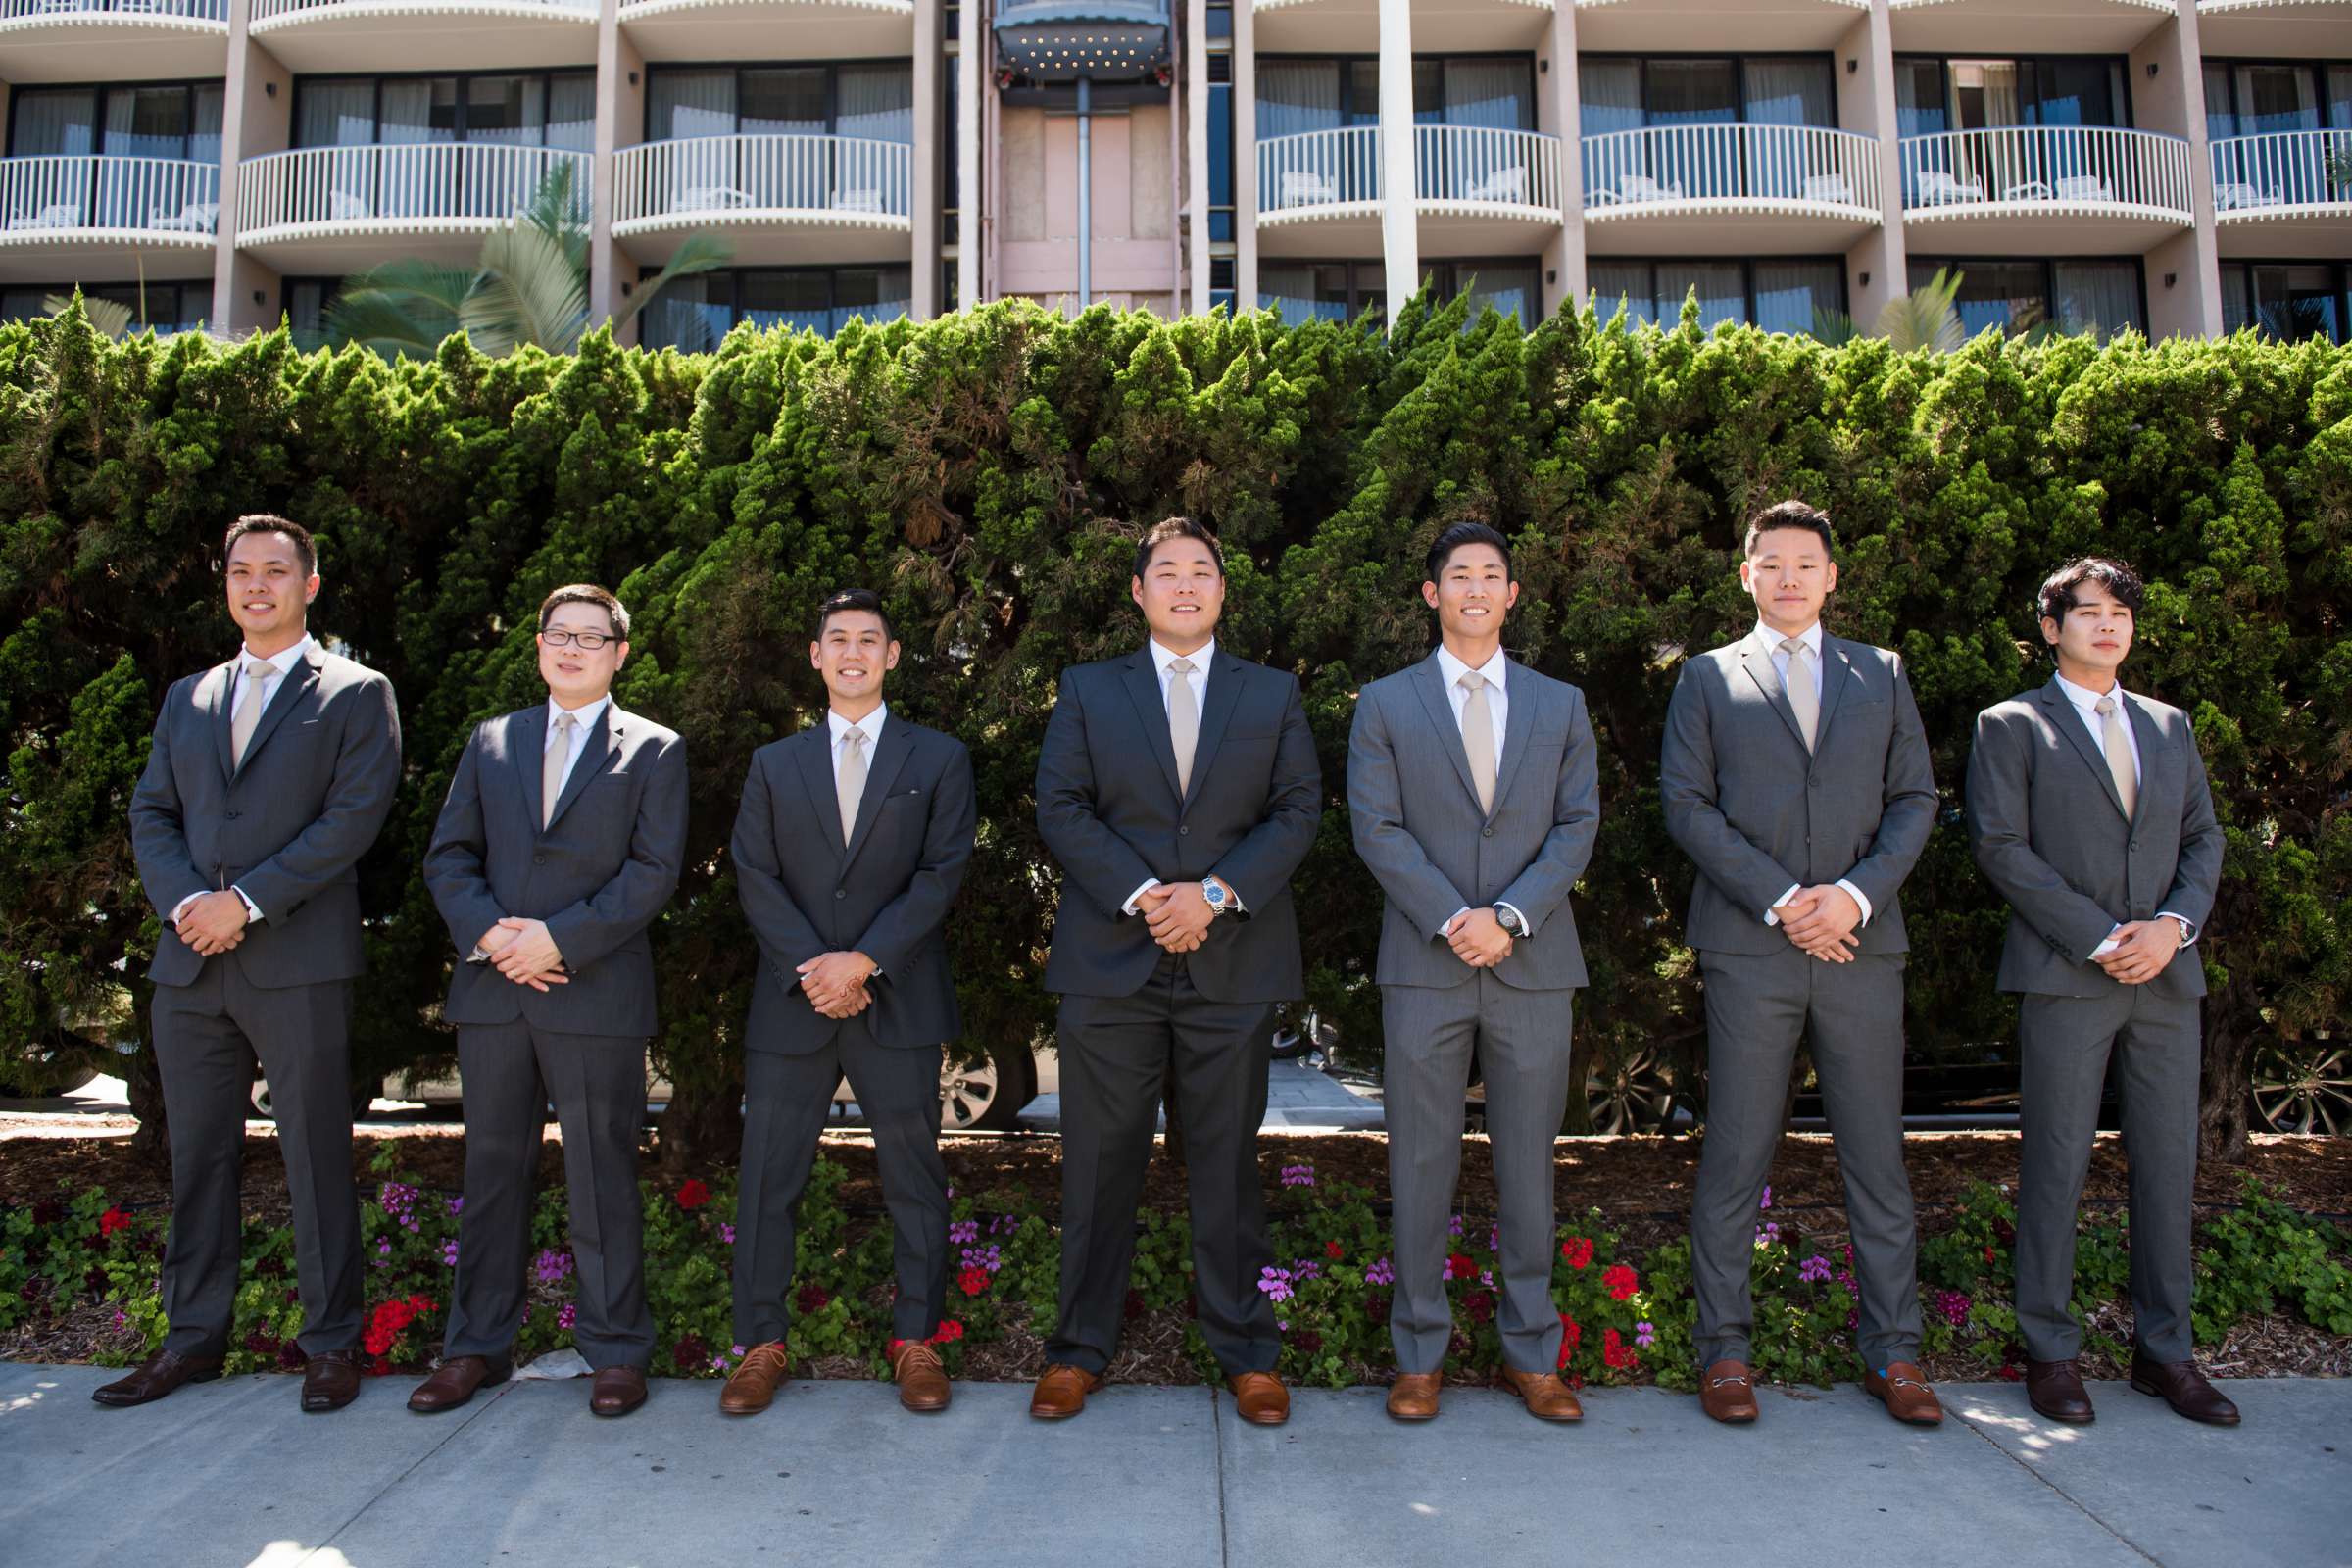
(2106, 947)
(1449, 920)
(1149, 884)
(2188, 927)
(253, 910)
(181, 908)
(1515, 914)
(1771, 918)
(1861, 900)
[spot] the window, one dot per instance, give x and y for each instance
(533, 110)
(174, 123)
(305, 305)
(1935, 94)
(1322, 291)
(2289, 300)
(2254, 110)
(2100, 297)
(1682, 101)
(1299, 93)
(870, 99)
(166, 308)
(1220, 285)
(1789, 295)
(1220, 148)
(696, 314)
(1512, 286)
(951, 177)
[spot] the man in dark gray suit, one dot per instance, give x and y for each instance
(1472, 790)
(849, 849)
(269, 777)
(2088, 809)
(561, 838)
(1795, 774)
(1178, 790)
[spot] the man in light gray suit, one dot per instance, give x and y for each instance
(2088, 809)
(269, 777)
(1474, 799)
(561, 838)
(1795, 775)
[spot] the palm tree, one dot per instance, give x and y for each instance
(1927, 318)
(529, 286)
(111, 318)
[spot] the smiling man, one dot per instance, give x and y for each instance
(1474, 798)
(561, 838)
(2089, 809)
(1795, 776)
(269, 777)
(1177, 788)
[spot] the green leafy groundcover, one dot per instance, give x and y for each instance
(1624, 1319)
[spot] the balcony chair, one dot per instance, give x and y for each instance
(705, 198)
(1834, 189)
(2236, 195)
(2082, 188)
(1935, 186)
(861, 198)
(1506, 185)
(196, 218)
(57, 215)
(1643, 188)
(1297, 188)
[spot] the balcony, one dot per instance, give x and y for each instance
(2051, 190)
(1668, 190)
(381, 35)
(2287, 193)
(65, 217)
(113, 40)
(672, 31)
(1352, 27)
(2273, 28)
(776, 198)
(1669, 27)
(1319, 192)
(332, 210)
(1477, 190)
(2025, 27)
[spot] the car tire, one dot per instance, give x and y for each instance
(1630, 1095)
(2303, 1087)
(27, 1079)
(986, 1096)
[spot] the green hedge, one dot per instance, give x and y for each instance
(987, 472)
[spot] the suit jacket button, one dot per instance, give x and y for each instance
(2134, 841)
(231, 817)
(1183, 828)
(841, 893)
(538, 859)
(1486, 832)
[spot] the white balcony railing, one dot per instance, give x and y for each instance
(161, 198)
(1314, 173)
(126, 10)
(415, 188)
(2280, 173)
(269, 13)
(1732, 168)
(849, 180)
(1477, 168)
(2091, 170)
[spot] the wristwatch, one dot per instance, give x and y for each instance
(1220, 901)
(1508, 917)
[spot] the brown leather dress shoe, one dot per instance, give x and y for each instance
(1061, 1391)
(2055, 1389)
(752, 1386)
(922, 1381)
(1906, 1394)
(331, 1380)
(455, 1381)
(1727, 1391)
(616, 1391)
(1259, 1398)
(1545, 1396)
(1413, 1397)
(156, 1377)
(2181, 1386)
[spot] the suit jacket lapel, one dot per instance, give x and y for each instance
(215, 704)
(526, 748)
(1836, 674)
(1429, 679)
(2069, 720)
(815, 754)
(291, 688)
(1151, 712)
(1518, 725)
(890, 760)
(1757, 660)
(596, 754)
(1224, 690)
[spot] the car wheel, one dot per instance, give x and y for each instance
(32, 1079)
(2305, 1090)
(986, 1096)
(1630, 1096)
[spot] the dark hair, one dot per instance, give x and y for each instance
(1168, 528)
(1441, 548)
(855, 598)
(2058, 589)
(1789, 514)
(586, 593)
(272, 522)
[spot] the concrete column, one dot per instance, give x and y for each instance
(1400, 215)
(2172, 102)
(1878, 267)
(924, 191)
(1196, 151)
(1244, 157)
(257, 116)
(1558, 113)
(973, 226)
(620, 122)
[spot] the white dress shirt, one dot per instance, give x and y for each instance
(279, 662)
(1811, 638)
(839, 726)
(584, 719)
(1498, 706)
(1197, 677)
(2086, 704)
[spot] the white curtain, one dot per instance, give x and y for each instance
(2101, 297)
(204, 135)
(1513, 291)
(56, 122)
(1621, 282)
(876, 101)
(1722, 294)
(1496, 93)
(335, 113)
(692, 103)
(1295, 96)
(1788, 293)
(572, 112)
(1787, 92)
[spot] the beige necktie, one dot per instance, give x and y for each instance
(1799, 684)
(1184, 720)
(248, 716)
(551, 766)
(1478, 737)
(849, 785)
(2118, 746)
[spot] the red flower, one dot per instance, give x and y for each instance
(1571, 1332)
(1615, 1352)
(1988, 1257)
(811, 1300)
(1620, 1281)
(693, 1195)
(1459, 1267)
(113, 1220)
(1480, 1304)
(949, 1329)
(1577, 1251)
(974, 1281)
(1332, 1250)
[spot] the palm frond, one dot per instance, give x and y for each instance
(1927, 317)
(528, 291)
(696, 253)
(403, 306)
(110, 317)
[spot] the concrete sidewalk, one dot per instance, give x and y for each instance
(232, 1473)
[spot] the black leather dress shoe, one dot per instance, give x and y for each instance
(2181, 1386)
(331, 1380)
(160, 1373)
(2055, 1389)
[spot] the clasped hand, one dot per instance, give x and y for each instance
(213, 922)
(1177, 914)
(835, 983)
(523, 951)
(2141, 950)
(1478, 938)
(1820, 920)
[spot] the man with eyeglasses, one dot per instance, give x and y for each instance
(561, 838)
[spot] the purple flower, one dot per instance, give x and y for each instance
(1767, 1203)
(1953, 1304)
(1768, 1234)
(1645, 1335)
(383, 1246)
(566, 1315)
(1494, 1237)
(726, 1233)
(1297, 1175)
(551, 1267)
(718, 1363)
(990, 1257)
(449, 1254)
(1454, 1226)
(964, 1230)
(1304, 1269)
(1485, 1277)
(1814, 1270)
(457, 1206)
(1276, 1283)
(1382, 1272)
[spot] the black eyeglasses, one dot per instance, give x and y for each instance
(586, 641)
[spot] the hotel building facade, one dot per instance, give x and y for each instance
(2183, 166)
